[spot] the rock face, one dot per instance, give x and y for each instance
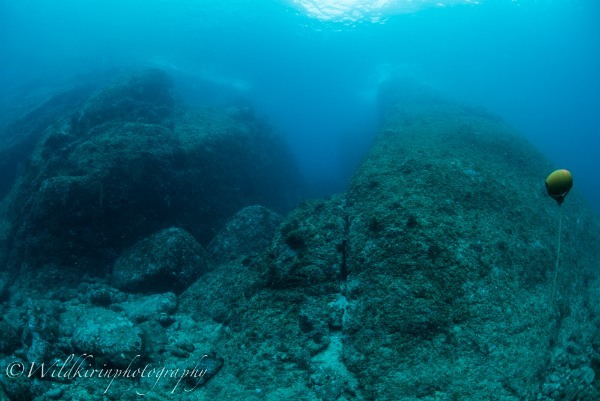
(452, 287)
(143, 98)
(20, 136)
(308, 252)
(129, 162)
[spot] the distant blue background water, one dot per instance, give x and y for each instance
(535, 63)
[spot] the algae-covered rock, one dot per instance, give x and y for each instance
(107, 337)
(221, 293)
(34, 113)
(128, 162)
(308, 252)
(248, 232)
(169, 260)
(145, 98)
(288, 331)
(451, 257)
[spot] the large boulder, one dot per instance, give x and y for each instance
(247, 233)
(169, 260)
(128, 163)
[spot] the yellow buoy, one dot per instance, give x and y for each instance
(558, 184)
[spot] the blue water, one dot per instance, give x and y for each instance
(314, 75)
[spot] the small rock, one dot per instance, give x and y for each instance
(101, 297)
(587, 375)
(107, 336)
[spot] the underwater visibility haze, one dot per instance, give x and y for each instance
(317, 200)
(313, 67)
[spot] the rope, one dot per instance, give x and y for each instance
(557, 249)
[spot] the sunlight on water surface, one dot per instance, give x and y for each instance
(373, 10)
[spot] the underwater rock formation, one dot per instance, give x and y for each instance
(434, 277)
(20, 135)
(452, 286)
(169, 260)
(142, 98)
(129, 162)
(247, 233)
